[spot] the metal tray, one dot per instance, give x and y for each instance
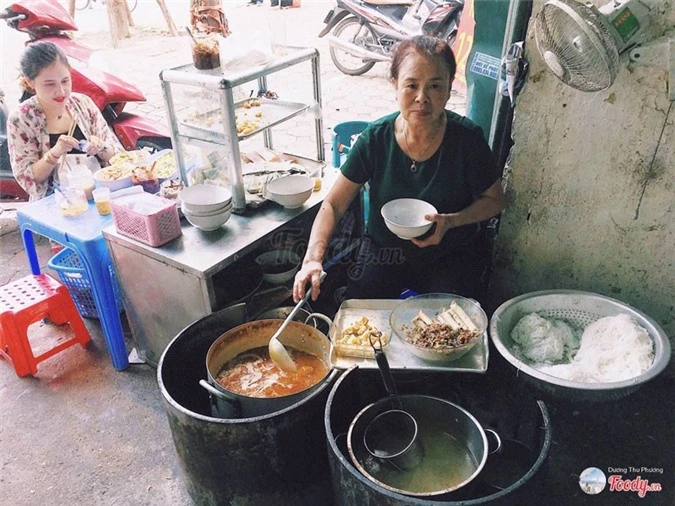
(209, 126)
(378, 312)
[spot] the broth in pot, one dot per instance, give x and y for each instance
(253, 374)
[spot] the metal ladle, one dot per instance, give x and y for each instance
(278, 353)
(392, 436)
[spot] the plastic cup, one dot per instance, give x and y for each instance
(102, 201)
(205, 52)
(71, 201)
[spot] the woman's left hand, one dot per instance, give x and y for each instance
(442, 222)
(95, 146)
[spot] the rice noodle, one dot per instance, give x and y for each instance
(614, 348)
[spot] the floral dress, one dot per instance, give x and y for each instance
(28, 139)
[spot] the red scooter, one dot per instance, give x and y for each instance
(47, 20)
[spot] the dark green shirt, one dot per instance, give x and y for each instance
(460, 170)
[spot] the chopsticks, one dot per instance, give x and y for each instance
(71, 130)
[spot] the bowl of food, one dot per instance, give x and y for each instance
(579, 345)
(136, 156)
(278, 266)
(115, 177)
(289, 191)
(164, 165)
(405, 217)
(204, 198)
(439, 327)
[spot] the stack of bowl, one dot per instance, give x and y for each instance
(206, 206)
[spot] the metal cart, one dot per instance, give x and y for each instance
(223, 122)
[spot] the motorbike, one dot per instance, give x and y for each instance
(47, 20)
(365, 33)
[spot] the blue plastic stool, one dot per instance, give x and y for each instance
(341, 138)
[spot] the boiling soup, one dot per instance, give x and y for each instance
(253, 374)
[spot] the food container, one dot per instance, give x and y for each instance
(81, 177)
(455, 443)
(278, 266)
(433, 304)
(405, 217)
(360, 331)
(115, 177)
(147, 218)
(71, 201)
(251, 335)
(102, 201)
(579, 309)
(289, 191)
(205, 52)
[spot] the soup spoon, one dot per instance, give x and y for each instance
(278, 353)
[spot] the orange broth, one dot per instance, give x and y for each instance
(253, 374)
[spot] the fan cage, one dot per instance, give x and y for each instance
(581, 41)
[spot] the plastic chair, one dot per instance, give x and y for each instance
(341, 138)
(26, 301)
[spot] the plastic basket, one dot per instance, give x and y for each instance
(74, 277)
(155, 228)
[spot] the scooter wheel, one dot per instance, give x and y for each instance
(350, 30)
(153, 144)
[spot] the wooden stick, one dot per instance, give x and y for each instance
(71, 130)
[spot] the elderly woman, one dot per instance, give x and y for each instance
(37, 131)
(424, 152)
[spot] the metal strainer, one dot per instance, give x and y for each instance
(579, 309)
(392, 436)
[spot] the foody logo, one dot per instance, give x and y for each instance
(592, 481)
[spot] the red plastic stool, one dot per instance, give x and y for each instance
(26, 301)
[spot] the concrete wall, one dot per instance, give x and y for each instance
(590, 187)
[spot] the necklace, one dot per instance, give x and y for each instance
(413, 165)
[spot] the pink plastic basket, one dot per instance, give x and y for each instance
(154, 229)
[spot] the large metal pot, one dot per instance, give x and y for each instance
(440, 422)
(514, 414)
(256, 334)
(277, 459)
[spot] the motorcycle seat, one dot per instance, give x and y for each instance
(388, 2)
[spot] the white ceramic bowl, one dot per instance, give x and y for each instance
(204, 198)
(208, 223)
(405, 217)
(199, 212)
(290, 191)
(278, 266)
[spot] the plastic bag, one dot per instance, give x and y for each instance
(245, 50)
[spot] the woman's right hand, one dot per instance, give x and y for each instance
(310, 272)
(65, 144)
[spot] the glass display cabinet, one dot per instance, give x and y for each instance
(209, 115)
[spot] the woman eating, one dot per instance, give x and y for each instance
(424, 152)
(38, 130)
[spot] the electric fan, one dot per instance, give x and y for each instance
(581, 43)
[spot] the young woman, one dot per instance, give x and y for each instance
(37, 131)
(424, 152)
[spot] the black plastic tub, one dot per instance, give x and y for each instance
(514, 477)
(279, 458)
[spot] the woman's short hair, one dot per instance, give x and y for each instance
(425, 45)
(39, 55)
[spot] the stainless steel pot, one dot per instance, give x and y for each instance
(256, 334)
(455, 445)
